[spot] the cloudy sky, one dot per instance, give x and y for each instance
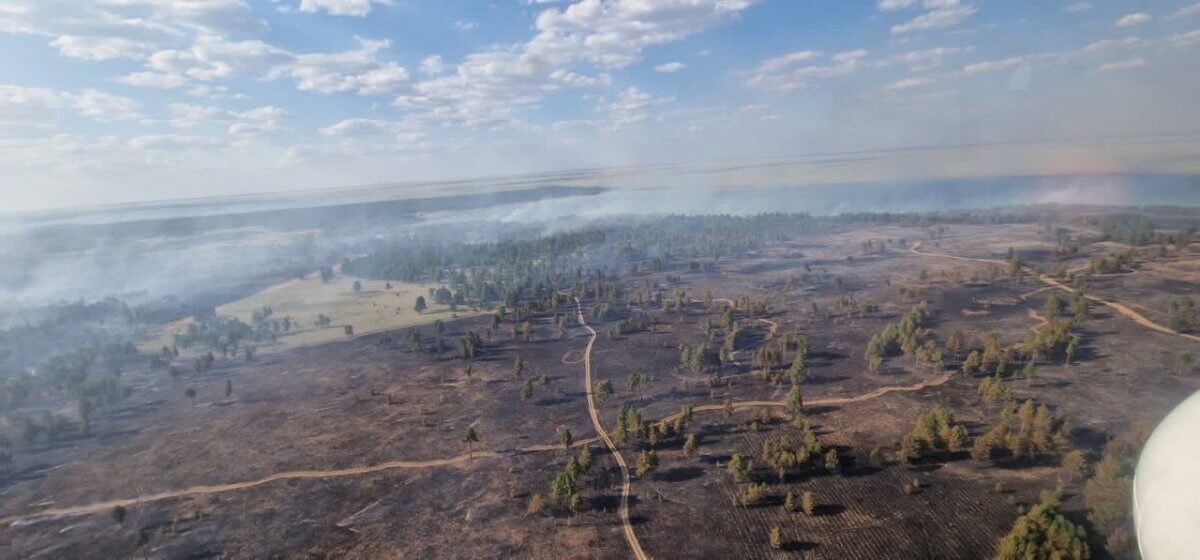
(127, 100)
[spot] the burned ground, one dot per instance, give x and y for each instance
(367, 401)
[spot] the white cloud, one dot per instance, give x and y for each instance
(789, 73)
(357, 70)
(173, 142)
(906, 83)
(781, 62)
(1121, 65)
(850, 56)
(164, 80)
(357, 8)
(491, 87)
(210, 58)
(237, 123)
(432, 65)
(1132, 19)
(614, 32)
(1187, 11)
(105, 106)
(891, 5)
(1077, 7)
(924, 59)
(362, 128)
(938, 18)
(100, 48)
(1127, 44)
(463, 25)
(670, 67)
(33, 104)
(632, 106)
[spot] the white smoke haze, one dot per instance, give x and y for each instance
(210, 250)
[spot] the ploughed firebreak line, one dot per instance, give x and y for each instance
(101, 507)
(1120, 308)
(630, 535)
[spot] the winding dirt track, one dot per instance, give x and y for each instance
(102, 507)
(827, 401)
(1120, 308)
(630, 535)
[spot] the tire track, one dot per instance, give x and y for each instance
(1120, 308)
(630, 534)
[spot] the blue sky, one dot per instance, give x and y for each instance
(128, 100)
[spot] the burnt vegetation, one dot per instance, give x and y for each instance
(946, 384)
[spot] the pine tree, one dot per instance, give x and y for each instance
(470, 438)
(689, 446)
(808, 504)
(647, 462)
(795, 401)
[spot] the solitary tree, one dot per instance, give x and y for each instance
(518, 366)
(526, 390)
(776, 538)
(647, 462)
(420, 306)
(603, 390)
(190, 393)
(795, 401)
(798, 371)
(470, 438)
(228, 388)
(739, 466)
(689, 446)
(808, 504)
(357, 286)
(566, 438)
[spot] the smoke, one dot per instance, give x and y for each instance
(209, 253)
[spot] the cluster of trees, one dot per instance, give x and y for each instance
(1053, 339)
(1025, 432)
(1185, 314)
(994, 391)
(908, 335)
(564, 489)
(1108, 493)
(1058, 305)
(769, 356)
(636, 322)
(1043, 532)
(1116, 262)
(935, 432)
(786, 457)
(702, 358)
(52, 427)
(1130, 230)
(469, 345)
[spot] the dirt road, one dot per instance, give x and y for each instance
(630, 535)
(1120, 308)
(827, 401)
(107, 506)
(104, 507)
